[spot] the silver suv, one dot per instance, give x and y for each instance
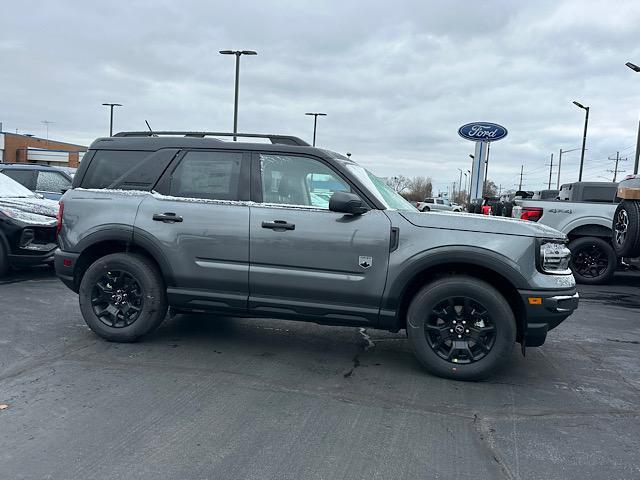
(190, 221)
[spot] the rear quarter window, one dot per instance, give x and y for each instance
(125, 169)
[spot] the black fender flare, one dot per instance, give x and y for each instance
(132, 237)
(444, 255)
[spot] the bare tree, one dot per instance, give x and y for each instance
(419, 189)
(491, 189)
(399, 183)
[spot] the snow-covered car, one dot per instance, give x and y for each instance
(27, 226)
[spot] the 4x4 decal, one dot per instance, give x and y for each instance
(365, 262)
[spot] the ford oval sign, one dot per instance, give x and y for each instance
(482, 132)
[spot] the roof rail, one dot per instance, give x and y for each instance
(275, 139)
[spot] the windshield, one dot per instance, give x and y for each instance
(9, 188)
(389, 197)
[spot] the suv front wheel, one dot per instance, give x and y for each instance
(123, 297)
(461, 328)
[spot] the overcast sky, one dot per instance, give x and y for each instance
(396, 79)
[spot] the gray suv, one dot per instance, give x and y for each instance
(190, 221)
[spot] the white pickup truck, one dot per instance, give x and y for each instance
(584, 212)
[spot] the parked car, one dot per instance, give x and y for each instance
(286, 230)
(585, 214)
(438, 204)
(50, 182)
(27, 226)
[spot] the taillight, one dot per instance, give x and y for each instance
(532, 214)
(59, 217)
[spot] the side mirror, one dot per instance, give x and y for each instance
(345, 202)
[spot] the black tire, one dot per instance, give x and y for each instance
(507, 209)
(626, 229)
(477, 208)
(143, 295)
(425, 209)
(4, 260)
(496, 209)
(593, 260)
(429, 326)
(471, 207)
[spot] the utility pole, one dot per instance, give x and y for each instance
(500, 190)
(460, 183)
(46, 124)
(521, 169)
(550, 172)
(315, 123)
(559, 165)
(615, 170)
(584, 136)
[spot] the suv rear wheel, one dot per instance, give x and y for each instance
(461, 328)
(123, 297)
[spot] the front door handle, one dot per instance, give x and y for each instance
(279, 225)
(167, 217)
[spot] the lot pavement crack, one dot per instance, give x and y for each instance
(363, 348)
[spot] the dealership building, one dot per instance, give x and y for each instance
(17, 148)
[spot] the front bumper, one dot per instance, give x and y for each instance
(544, 311)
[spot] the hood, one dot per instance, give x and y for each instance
(38, 206)
(471, 222)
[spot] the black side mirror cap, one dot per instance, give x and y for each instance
(344, 202)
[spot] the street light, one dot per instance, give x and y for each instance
(238, 54)
(560, 164)
(636, 69)
(315, 123)
(584, 135)
(111, 105)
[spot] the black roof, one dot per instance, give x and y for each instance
(152, 141)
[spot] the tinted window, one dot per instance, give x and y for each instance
(599, 194)
(52, 182)
(429, 200)
(25, 178)
(109, 165)
(208, 175)
(295, 180)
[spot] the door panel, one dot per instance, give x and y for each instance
(202, 231)
(329, 265)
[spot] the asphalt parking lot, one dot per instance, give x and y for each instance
(214, 398)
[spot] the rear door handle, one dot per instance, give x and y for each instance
(167, 217)
(279, 225)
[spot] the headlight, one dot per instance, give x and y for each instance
(26, 217)
(554, 257)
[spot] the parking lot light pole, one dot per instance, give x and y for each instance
(315, 123)
(636, 69)
(584, 136)
(238, 54)
(111, 105)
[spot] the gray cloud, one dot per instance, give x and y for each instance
(397, 80)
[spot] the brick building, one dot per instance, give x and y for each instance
(15, 148)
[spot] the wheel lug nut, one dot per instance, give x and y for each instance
(459, 336)
(454, 322)
(464, 322)
(451, 330)
(467, 331)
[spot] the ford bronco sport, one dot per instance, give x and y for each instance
(189, 221)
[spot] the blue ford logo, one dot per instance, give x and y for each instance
(482, 132)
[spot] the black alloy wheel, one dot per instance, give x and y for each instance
(460, 330)
(117, 299)
(590, 261)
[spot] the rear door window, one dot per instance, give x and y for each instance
(54, 182)
(26, 178)
(208, 175)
